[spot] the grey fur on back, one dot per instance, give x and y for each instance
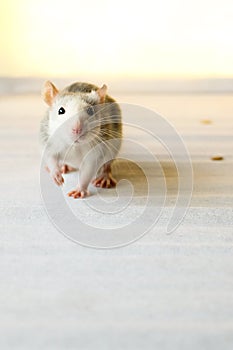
(85, 88)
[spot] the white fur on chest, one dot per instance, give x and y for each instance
(73, 155)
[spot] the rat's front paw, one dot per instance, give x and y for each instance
(78, 193)
(57, 177)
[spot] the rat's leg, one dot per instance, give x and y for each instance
(86, 173)
(105, 179)
(55, 172)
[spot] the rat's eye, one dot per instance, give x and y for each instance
(61, 111)
(90, 111)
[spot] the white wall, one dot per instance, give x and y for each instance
(163, 38)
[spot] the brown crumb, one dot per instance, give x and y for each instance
(217, 158)
(206, 121)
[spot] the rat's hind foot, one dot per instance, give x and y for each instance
(78, 194)
(105, 180)
(66, 169)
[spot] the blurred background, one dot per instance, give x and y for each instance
(171, 44)
(170, 292)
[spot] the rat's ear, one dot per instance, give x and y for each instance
(49, 92)
(102, 93)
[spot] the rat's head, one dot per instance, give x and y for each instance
(72, 115)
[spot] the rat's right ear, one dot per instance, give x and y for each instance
(49, 92)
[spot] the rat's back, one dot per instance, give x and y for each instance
(81, 87)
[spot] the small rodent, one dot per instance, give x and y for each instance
(81, 130)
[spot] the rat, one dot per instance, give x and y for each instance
(82, 129)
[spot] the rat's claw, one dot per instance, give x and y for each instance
(78, 194)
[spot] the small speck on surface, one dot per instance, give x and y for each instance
(217, 157)
(206, 121)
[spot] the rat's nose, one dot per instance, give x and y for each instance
(77, 129)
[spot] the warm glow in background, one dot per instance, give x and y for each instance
(163, 38)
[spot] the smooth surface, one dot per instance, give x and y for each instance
(164, 291)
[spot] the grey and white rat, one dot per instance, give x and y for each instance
(81, 130)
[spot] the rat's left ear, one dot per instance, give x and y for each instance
(49, 92)
(102, 93)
